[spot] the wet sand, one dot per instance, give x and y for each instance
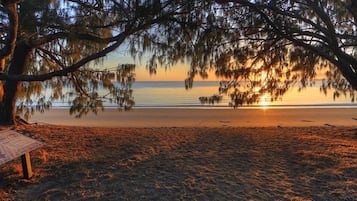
(204, 117)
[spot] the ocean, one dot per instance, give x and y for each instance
(172, 94)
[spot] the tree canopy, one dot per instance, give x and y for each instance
(265, 46)
(59, 41)
(257, 47)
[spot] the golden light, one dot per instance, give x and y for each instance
(264, 101)
(263, 75)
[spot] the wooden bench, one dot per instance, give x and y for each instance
(13, 145)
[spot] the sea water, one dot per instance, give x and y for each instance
(172, 94)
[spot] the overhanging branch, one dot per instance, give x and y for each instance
(67, 70)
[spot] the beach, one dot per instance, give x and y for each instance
(186, 117)
(169, 154)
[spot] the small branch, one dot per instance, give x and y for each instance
(78, 86)
(48, 53)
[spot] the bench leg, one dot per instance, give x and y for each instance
(26, 165)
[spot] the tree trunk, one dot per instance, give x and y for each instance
(347, 66)
(11, 87)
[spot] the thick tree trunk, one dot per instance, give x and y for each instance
(10, 88)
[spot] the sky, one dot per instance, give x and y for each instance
(177, 72)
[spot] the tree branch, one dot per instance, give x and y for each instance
(352, 8)
(53, 57)
(10, 41)
(65, 71)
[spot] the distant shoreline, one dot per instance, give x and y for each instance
(277, 106)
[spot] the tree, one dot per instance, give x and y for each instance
(257, 47)
(265, 46)
(280, 42)
(59, 41)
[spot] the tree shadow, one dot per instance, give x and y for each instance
(213, 164)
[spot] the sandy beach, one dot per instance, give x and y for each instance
(170, 117)
(213, 158)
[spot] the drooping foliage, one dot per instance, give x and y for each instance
(264, 47)
(257, 47)
(271, 45)
(60, 43)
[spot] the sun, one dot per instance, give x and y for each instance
(264, 101)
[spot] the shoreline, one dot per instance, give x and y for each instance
(179, 117)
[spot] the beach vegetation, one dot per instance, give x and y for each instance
(264, 47)
(257, 48)
(57, 44)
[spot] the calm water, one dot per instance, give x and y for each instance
(173, 94)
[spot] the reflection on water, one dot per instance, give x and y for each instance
(174, 94)
(265, 100)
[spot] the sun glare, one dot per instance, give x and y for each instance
(265, 98)
(264, 101)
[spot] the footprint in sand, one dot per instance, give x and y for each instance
(306, 120)
(330, 125)
(224, 121)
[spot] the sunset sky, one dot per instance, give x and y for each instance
(177, 72)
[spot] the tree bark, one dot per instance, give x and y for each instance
(11, 87)
(347, 71)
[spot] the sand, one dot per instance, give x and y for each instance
(220, 162)
(170, 117)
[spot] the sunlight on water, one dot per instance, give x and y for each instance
(264, 101)
(174, 94)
